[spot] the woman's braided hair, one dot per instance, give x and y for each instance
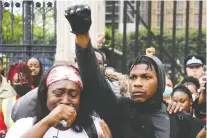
(21, 68)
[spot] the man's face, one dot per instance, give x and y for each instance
(195, 71)
(143, 83)
(63, 92)
(183, 99)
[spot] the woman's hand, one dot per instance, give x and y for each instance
(61, 112)
(105, 129)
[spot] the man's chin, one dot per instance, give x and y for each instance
(138, 100)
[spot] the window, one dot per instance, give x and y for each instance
(158, 20)
(179, 4)
(130, 14)
(179, 20)
(196, 4)
(158, 4)
(196, 20)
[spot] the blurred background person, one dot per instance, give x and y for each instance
(182, 95)
(19, 76)
(193, 85)
(6, 91)
(194, 66)
(168, 88)
(35, 65)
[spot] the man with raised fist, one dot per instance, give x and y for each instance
(142, 116)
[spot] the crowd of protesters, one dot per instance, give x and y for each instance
(89, 100)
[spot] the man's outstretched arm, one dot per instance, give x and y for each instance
(96, 89)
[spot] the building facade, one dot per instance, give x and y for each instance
(155, 14)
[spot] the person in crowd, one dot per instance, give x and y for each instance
(200, 102)
(100, 40)
(168, 88)
(113, 83)
(193, 85)
(182, 94)
(120, 78)
(25, 106)
(199, 99)
(35, 65)
(144, 115)
(194, 66)
(20, 78)
(6, 91)
(61, 96)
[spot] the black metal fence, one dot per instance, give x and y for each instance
(12, 53)
(134, 8)
(27, 29)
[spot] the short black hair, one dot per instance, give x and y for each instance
(142, 60)
(183, 89)
(156, 99)
(190, 79)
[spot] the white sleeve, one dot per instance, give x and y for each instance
(97, 125)
(20, 127)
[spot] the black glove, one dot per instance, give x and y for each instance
(79, 17)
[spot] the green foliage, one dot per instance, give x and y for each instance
(18, 30)
(167, 43)
(7, 28)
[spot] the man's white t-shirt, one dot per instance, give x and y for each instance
(23, 125)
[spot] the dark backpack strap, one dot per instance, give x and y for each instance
(90, 129)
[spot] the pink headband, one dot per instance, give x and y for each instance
(64, 73)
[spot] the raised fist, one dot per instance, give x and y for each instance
(79, 17)
(150, 51)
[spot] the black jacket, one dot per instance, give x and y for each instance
(127, 119)
(121, 114)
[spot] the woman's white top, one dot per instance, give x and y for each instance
(23, 125)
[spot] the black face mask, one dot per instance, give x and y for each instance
(21, 89)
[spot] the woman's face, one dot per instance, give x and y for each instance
(183, 99)
(34, 66)
(63, 92)
(20, 84)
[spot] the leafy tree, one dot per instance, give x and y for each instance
(167, 44)
(7, 28)
(18, 29)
